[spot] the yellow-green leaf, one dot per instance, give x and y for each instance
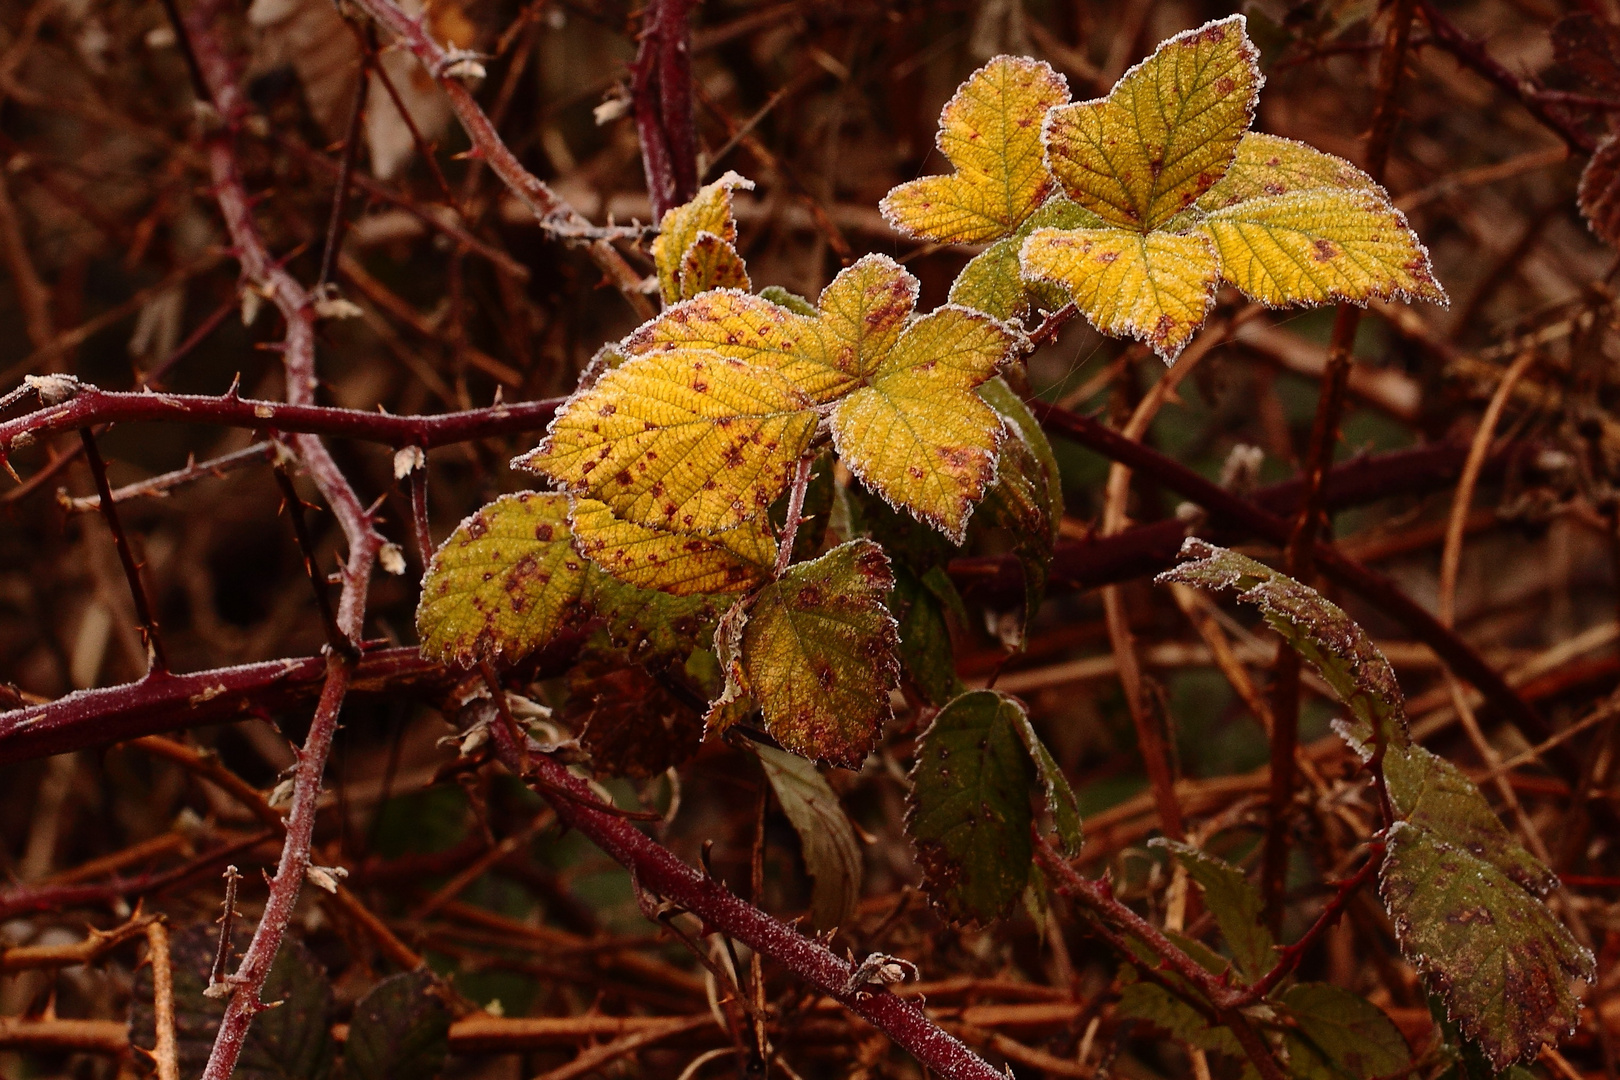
(1271, 165)
(991, 132)
(678, 563)
(710, 212)
(711, 263)
(1156, 287)
(993, 281)
(1319, 246)
(504, 583)
(859, 318)
(1165, 134)
(916, 433)
(817, 650)
(686, 440)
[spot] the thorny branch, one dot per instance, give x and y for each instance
(297, 308)
(660, 872)
(553, 213)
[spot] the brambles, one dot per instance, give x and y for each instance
(796, 629)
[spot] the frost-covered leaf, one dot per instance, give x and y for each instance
(678, 563)
(969, 813)
(991, 132)
(1321, 245)
(1599, 192)
(816, 650)
(1234, 902)
(993, 281)
(1430, 792)
(711, 263)
(1317, 629)
(916, 433)
(1347, 1030)
(400, 1031)
(1499, 959)
(1166, 132)
(1156, 287)
(687, 440)
(504, 583)
(1268, 165)
(860, 316)
(708, 212)
(831, 853)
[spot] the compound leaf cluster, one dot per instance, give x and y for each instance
(1137, 205)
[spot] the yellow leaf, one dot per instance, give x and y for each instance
(1165, 134)
(682, 565)
(991, 132)
(817, 650)
(863, 313)
(709, 211)
(992, 281)
(1156, 287)
(686, 440)
(860, 315)
(917, 434)
(711, 263)
(1270, 165)
(504, 583)
(1319, 246)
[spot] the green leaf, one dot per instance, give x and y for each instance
(1055, 789)
(969, 813)
(1234, 902)
(1153, 1004)
(817, 649)
(993, 281)
(925, 638)
(1432, 793)
(791, 300)
(1492, 951)
(831, 853)
(1027, 497)
(649, 624)
(1318, 630)
(505, 583)
(1347, 1030)
(400, 1031)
